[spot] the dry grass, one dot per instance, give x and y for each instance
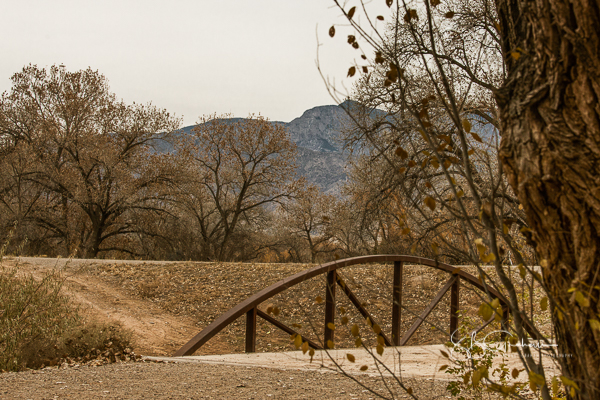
(206, 290)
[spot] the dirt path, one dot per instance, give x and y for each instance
(113, 291)
(155, 332)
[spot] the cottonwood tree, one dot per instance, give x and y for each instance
(307, 217)
(429, 111)
(550, 131)
(91, 158)
(236, 169)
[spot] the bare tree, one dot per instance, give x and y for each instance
(307, 217)
(427, 114)
(236, 170)
(90, 157)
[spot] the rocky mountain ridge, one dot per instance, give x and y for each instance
(320, 157)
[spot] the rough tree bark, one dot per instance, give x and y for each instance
(551, 153)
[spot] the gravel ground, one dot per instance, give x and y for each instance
(145, 380)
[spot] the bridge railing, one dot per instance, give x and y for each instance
(249, 307)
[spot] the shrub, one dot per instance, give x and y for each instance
(39, 325)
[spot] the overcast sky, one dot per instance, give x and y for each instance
(192, 57)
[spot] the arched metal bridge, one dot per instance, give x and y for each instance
(250, 305)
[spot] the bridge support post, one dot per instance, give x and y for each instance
(251, 330)
(397, 302)
(329, 306)
(454, 307)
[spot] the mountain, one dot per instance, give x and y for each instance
(320, 158)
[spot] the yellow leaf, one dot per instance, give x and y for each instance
(498, 314)
(376, 329)
(380, 340)
(354, 330)
(495, 303)
(568, 382)
(304, 347)
(471, 152)
(581, 299)
(409, 390)
(364, 368)
(358, 342)
(522, 271)
(330, 344)
(594, 324)
(379, 349)
(311, 353)
(515, 373)
(544, 303)
(344, 320)
(350, 357)
(476, 378)
(368, 321)
(400, 152)
(351, 12)
(331, 325)
(443, 367)
(515, 54)
(444, 353)
(298, 341)
(319, 299)
(477, 137)
(466, 124)
(536, 378)
(430, 202)
(489, 258)
(276, 311)
(485, 311)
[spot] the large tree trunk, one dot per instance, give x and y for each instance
(551, 153)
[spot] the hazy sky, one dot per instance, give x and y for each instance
(192, 57)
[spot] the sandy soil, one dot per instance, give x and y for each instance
(165, 304)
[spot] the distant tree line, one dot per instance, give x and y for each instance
(86, 175)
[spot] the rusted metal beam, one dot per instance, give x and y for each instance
(454, 307)
(251, 330)
(363, 311)
(286, 328)
(428, 310)
(397, 302)
(329, 306)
